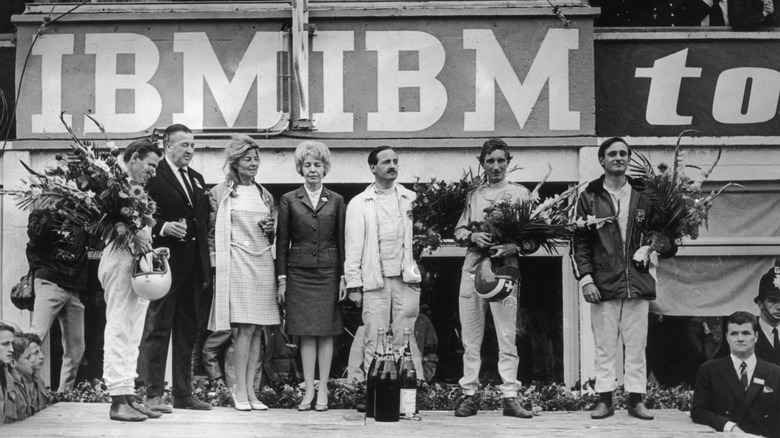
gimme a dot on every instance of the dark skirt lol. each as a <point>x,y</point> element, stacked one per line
<point>312,302</point>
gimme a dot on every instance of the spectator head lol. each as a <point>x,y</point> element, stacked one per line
<point>24,356</point>
<point>491,145</point>
<point>315,150</point>
<point>241,147</point>
<point>742,334</point>
<point>141,158</point>
<point>6,343</point>
<point>35,347</point>
<point>383,162</point>
<point>179,145</point>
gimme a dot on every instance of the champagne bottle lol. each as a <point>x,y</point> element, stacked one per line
<point>372,372</point>
<point>407,379</point>
<point>387,397</point>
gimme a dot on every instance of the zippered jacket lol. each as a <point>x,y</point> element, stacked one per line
<point>601,252</point>
<point>362,260</point>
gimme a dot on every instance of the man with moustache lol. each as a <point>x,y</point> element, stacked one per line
<point>378,255</point>
<point>768,300</point>
<point>739,393</point>
<point>619,292</point>
<point>182,226</point>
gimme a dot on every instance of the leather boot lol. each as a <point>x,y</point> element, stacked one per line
<point>512,408</point>
<point>640,411</point>
<point>125,413</point>
<point>604,408</point>
<point>467,407</point>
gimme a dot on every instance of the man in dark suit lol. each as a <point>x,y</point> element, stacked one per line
<point>752,14</point>
<point>182,226</point>
<point>768,300</point>
<point>739,392</point>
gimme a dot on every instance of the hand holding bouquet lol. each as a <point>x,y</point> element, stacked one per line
<point>530,223</point>
<point>92,200</point>
<point>679,207</point>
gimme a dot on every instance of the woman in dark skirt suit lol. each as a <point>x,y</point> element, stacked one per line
<point>309,265</point>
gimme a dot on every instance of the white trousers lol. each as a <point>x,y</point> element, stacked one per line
<point>396,300</point>
<point>125,314</point>
<point>472,310</point>
<point>612,320</point>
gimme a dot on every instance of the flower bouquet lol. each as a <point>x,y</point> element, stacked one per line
<point>438,207</point>
<point>94,201</point>
<point>532,223</point>
<point>678,204</point>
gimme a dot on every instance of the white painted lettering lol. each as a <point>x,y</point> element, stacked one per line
<point>551,66</point>
<point>51,48</point>
<point>730,93</point>
<point>201,65</point>
<point>390,79</point>
<point>148,102</point>
<point>333,44</point>
<point>666,77</point>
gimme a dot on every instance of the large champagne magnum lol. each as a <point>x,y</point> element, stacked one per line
<point>373,369</point>
<point>387,397</point>
<point>407,378</point>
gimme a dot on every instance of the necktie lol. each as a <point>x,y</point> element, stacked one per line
<point>743,375</point>
<point>776,342</point>
<point>186,178</point>
<point>716,14</point>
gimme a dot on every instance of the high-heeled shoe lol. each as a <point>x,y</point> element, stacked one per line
<point>240,406</point>
<point>321,408</point>
<point>306,406</point>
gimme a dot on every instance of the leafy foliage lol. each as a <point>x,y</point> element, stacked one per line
<point>530,222</point>
<point>94,200</point>
<point>430,397</point>
<point>437,209</point>
<point>679,206</point>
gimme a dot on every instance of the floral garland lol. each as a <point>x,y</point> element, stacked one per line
<point>679,206</point>
<point>93,200</point>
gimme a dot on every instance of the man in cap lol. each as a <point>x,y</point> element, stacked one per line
<point>494,159</point>
<point>739,393</point>
<point>768,300</point>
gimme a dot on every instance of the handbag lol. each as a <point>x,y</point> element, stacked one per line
<point>23,293</point>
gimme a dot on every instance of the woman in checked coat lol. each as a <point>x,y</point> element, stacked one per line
<point>241,239</point>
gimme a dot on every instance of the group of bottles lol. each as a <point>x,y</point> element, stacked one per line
<point>391,385</point>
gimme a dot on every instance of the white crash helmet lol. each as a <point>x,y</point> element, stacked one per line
<point>495,285</point>
<point>151,278</point>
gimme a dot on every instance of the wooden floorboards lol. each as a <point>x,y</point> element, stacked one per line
<point>91,420</point>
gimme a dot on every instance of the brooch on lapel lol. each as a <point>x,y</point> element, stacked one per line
<point>640,215</point>
<point>325,197</point>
